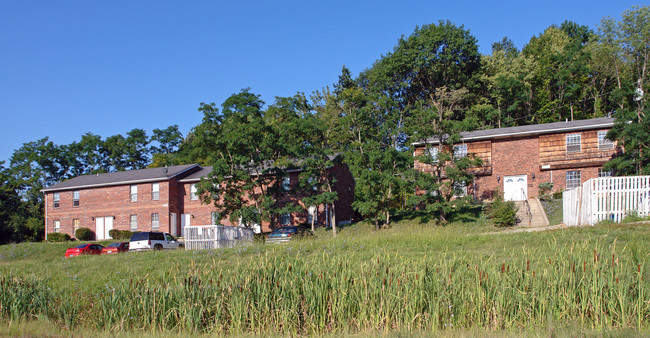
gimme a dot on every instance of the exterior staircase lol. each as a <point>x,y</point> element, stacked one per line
<point>531,214</point>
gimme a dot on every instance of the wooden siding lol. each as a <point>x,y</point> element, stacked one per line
<point>481,149</point>
<point>553,152</point>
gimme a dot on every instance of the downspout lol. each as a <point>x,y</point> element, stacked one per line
<point>46,217</point>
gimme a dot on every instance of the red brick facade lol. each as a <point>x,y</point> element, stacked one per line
<point>173,205</point>
<point>542,157</point>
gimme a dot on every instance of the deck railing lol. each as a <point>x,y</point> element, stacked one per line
<point>216,236</point>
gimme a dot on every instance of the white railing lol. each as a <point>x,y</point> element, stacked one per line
<point>216,236</point>
<point>607,198</point>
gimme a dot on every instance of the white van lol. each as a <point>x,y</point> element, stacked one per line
<point>153,241</point>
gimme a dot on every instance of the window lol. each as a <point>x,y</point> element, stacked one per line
<point>460,189</point>
<point>134,222</point>
<point>76,224</point>
<point>134,193</point>
<point>285,219</point>
<point>313,183</point>
<point>155,191</point>
<point>572,179</point>
<point>75,198</point>
<point>193,194</point>
<point>605,173</point>
<point>57,226</point>
<point>573,144</point>
<point>433,153</point>
<point>312,216</point>
<point>460,151</point>
<point>286,183</point>
<point>155,221</point>
<point>55,199</point>
<point>214,216</point>
<point>603,142</point>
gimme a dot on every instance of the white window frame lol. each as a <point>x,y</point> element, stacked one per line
<point>603,142</point>
<point>155,221</point>
<point>75,226</point>
<point>573,143</point>
<point>286,183</point>
<point>460,189</point>
<point>56,200</point>
<point>285,219</point>
<point>57,226</point>
<point>193,192</point>
<point>573,179</point>
<point>460,151</point>
<point>155,191</point>
<point>75,198</point>
<point>133,221</point>
<point>134,193</point>
<point>433,154</point>
<point>605,173</point>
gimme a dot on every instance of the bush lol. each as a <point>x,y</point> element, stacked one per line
<point>84,234</point>
<point>502,213</point>
<point>58,237</point>
<point>120,234</point>
<point>545,190</point>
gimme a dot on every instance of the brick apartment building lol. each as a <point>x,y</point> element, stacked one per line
<point>161,199</point>
<point>517,159</point>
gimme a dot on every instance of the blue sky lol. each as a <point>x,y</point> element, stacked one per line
<point>106,67</point>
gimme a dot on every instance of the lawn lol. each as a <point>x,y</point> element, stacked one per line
<point>413,278</point>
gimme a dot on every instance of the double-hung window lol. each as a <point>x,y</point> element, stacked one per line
<point>134,193</point>
<point>76,224</point>
<point>433,154</point>
<point>134,222</point>
<point>155,191</point>
<point>75,198</point>
<point>460,151</point>
<point>57,226</point>
<point>155,221</point>
<point>605,173</point>
<point>572,179</point>
<point>193,193</point>
<point>573,143</point>
<point>603,142</point>
<point>55,200</point>
<point>285,219</point>
<point>286,183</point>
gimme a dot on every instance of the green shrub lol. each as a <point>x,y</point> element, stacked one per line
<point>120,234</point>
<point>58,237</point>
<point>557,195</point>
<point>502,213</point>
<point>545,190</point>
<point>84,234</point>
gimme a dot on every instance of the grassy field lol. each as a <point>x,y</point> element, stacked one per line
<point>412,279</point>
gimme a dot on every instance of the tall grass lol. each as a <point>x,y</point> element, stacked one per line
<point>301,290</point>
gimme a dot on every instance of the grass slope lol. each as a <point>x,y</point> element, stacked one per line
<point>413,277</point>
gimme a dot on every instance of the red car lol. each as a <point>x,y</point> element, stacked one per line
<point>84,249</point>
<point>116,247</point>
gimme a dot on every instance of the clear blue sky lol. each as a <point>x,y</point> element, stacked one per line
<point>106,67</point>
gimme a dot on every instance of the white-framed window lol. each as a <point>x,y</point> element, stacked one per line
<point>286,183</point>
<point>193,195</point>
<point>572,179</point>
<point>134,222</point>
<point>155,191</point>
<point>603,142</point>
<point>75,198</point>
<point>57,226</point>
<point>155,221</point>
<point>134,193</point>
<point>460,189</point>
<point>605,173</point>
<point>76,224</point>
<point>433,153</point>
<point>214,216</point>
<point>285,219</point>
<point>573,143</point>
<point>55,200</point>
<point>312,216</point>
<point>460,151</point>
<point>313,183</point>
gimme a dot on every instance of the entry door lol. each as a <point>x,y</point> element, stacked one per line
<point>102,226</point>
<point>172,224</point>
<point>185,221</point>
<point>515,188</point>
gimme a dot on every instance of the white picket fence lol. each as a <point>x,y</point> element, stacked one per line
<point>606,198</point>
<point>216,236</point>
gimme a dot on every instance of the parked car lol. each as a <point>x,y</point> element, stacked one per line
<point>286,233</point>
<point>84,249</point>
<point>115,248</point>
<point>152,240</point>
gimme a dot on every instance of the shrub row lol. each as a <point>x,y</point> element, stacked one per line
<point>121,234</point>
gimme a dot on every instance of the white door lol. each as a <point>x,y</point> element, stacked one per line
<point>99,228</point>
<point>515,188</point>
<point>172,221</point>
<point>185,221</point>
<point>108,226</point>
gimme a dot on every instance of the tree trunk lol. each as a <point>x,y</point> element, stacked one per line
<point>333,220</point>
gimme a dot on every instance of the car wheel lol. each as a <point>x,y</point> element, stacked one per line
<point>181,247</point>
<point>157,247</point>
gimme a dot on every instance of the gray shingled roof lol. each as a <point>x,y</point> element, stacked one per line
<point>535,129</point>
<point>195,177</point>
<point>122,177</point>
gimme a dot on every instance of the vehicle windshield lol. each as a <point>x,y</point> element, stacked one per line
<point>115,245</point>
<point>80,246</point>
